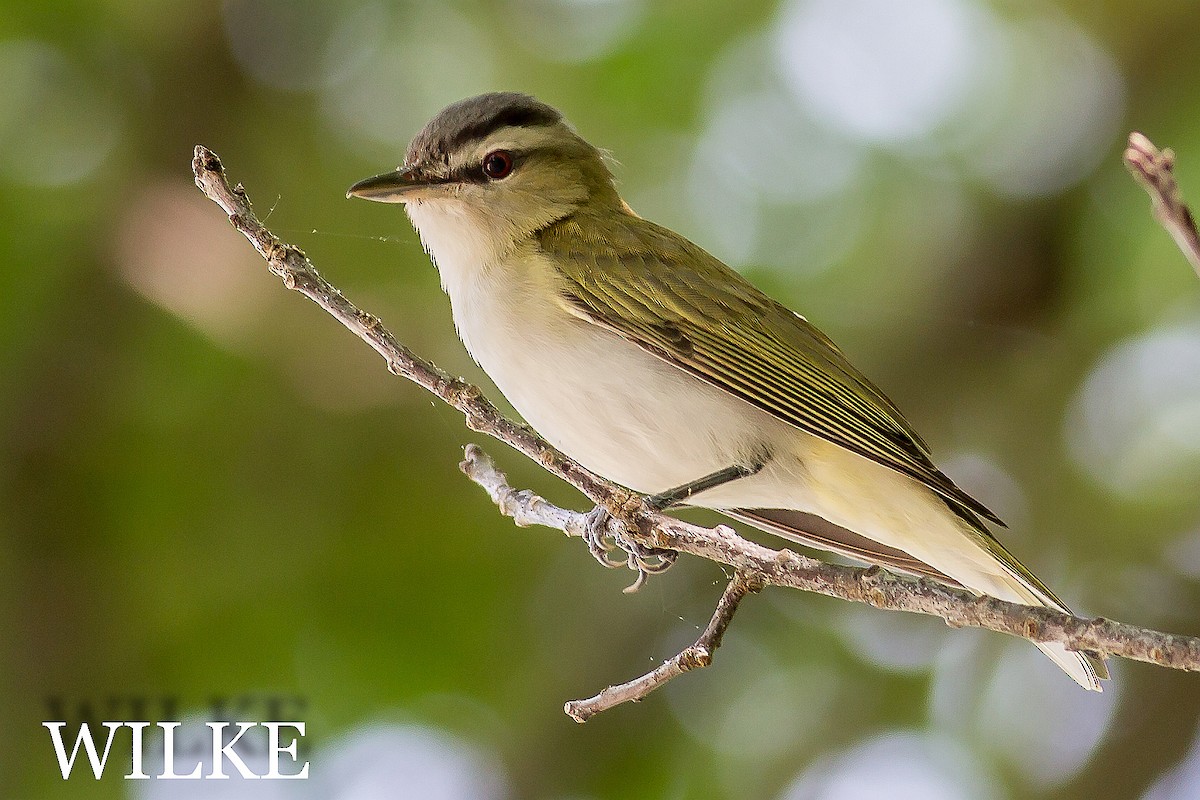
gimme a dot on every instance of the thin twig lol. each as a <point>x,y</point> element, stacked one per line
<point>1154,170</point>
<point>758,565</point>
<point>695,656</point>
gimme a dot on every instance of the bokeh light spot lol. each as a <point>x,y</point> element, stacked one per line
<point>573,31</point>
<point>900,765</point>
<point>300,46</point>
<point>879,71</point>
<point>1134,424</point>
<point>1042,723</point>
<point>56,124</point>
<point>424,62</point>
<point>219,288</point>
<point>1055,97</point>
<point>385,761</point>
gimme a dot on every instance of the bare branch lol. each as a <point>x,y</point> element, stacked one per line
<point>696,656</point>
<point>874,586</point>
<point>1154,170</point>
<point>289,263</point>
<point>754,565</point>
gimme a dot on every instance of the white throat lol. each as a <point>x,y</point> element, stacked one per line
<point>460,240</point>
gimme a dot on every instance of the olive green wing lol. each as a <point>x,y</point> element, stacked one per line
<point>673,299</point>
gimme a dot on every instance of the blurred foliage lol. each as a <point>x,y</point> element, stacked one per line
<point>208,489</point>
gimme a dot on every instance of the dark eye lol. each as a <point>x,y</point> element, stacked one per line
<point>497,164</point>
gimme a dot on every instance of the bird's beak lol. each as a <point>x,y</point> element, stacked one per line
<point>392,187</point>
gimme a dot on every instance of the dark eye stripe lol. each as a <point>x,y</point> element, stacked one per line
<point>471,173</point>
<point>510,117</point>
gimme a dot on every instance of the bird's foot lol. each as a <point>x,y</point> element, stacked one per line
<point>604,540</point>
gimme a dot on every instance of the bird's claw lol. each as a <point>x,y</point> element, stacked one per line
<point>600,542</point>
<point>603,542</point>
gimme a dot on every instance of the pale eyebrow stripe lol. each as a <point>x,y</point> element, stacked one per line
<point>509,117</point>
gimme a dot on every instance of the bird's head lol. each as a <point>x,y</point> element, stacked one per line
<point>493,168</point>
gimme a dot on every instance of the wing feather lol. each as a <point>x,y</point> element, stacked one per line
<point>670,297</point>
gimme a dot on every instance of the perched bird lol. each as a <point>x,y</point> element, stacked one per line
<point>650,362</point>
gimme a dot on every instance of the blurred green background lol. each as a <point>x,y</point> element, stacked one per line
<point>208,489</point>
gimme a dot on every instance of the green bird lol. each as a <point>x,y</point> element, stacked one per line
<point>652,363</point>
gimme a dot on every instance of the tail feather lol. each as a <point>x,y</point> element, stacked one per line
<point>1006,578</point>
<point>1086,669</point>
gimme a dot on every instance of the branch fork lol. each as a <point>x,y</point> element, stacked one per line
<point>753,566</point>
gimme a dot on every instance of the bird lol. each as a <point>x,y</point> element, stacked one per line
<point>650,362</point>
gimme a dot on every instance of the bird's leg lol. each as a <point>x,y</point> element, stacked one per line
<point>673,497</point>
<point>648,560</point>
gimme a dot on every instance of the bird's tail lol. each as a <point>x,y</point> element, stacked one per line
<point>1086,669</point>
<point>999,575</point>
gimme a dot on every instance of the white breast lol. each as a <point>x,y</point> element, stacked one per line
<point>602,400</point>
<point>599,398</point>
